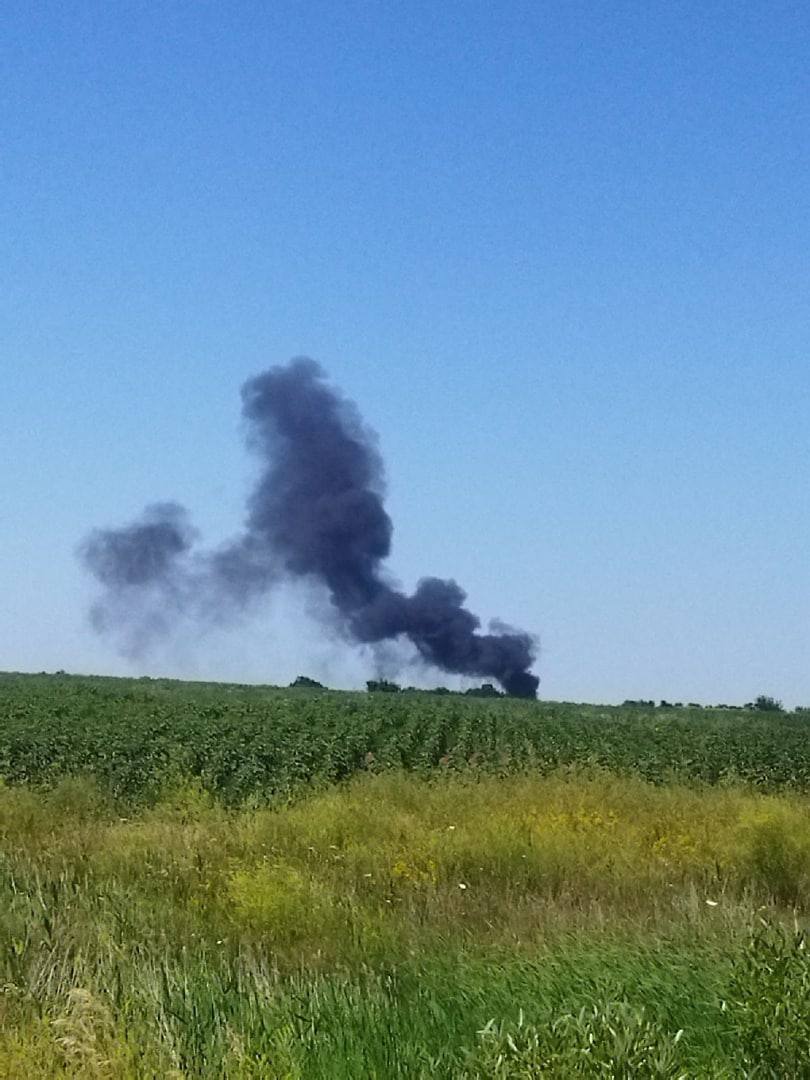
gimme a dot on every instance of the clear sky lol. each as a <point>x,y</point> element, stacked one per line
<point>557,252</point>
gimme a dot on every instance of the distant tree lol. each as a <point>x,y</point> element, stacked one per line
<point>662,704</point>
<point>305,683</point>
<point>382,686</point>
<point>441,690</point>
<point>486,690</point>
<point>695,705</point>
<point>764,703</point>
<point>640,704</point>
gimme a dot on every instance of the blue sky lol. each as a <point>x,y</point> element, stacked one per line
<point>556,252</point>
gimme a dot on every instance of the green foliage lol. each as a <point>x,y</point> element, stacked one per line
<point>260,743</point>
<point>372,928</point>
<point>764,703</point>
<point>485,690</point>
<point>768,1006</point>
<point>382,686</point>
<point>303,682</point>
<point>776,853</point>
<point>611,1040</point>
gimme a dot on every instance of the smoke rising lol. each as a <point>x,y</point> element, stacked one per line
<point>316,513</point>
<point>141,553</point>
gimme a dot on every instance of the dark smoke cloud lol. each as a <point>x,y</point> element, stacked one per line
<point>144,552</point>
<point>316,512</point>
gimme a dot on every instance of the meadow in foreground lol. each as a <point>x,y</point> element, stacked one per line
<point>578,923</point>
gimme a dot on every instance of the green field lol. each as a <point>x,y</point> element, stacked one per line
<point>257,743</point>
<point>220,881</point>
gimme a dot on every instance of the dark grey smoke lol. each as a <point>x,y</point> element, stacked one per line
<point>317,511</point>
<point>144,568</point>
<point>144,552</point>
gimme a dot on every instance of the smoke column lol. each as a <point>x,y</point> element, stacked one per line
<point>316,512</point>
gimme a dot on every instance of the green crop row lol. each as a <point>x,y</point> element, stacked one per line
<point>136,737</point>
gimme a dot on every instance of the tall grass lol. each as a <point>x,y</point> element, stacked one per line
<point>395,926</point>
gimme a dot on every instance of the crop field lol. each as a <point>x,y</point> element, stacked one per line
<point>135,736</point>
<point>202,881</point>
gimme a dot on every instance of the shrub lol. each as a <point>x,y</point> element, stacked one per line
<point>764,703</point>
<point>305,683</point>
<point>486,690</point>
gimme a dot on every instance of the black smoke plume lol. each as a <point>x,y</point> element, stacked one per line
<point>316,512</point>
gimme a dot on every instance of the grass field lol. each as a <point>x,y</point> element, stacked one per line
<point>464,903</point>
